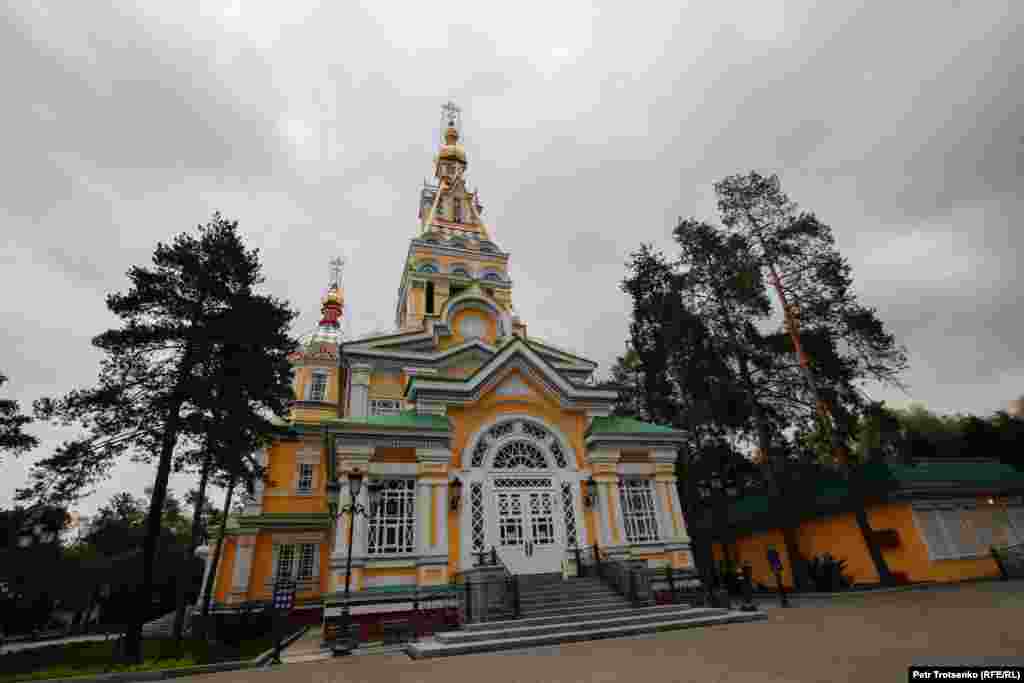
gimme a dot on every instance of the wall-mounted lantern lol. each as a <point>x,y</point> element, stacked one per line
<point>455,494</point>
<point>589,492</point>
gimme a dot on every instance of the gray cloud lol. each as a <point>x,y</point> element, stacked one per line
<point>588,133</point>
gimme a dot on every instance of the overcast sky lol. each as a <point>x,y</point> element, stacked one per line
<point>589,130</point>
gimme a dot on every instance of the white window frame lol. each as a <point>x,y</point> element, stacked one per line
<point>391,529</point>
<point>322,377</point>
<point>291,559</point>
<point>639,509</point>
<point>385,406</point>
<point>305,569</point>
<point>301,485</point>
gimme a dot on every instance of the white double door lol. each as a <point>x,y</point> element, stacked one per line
<point>525,523</point>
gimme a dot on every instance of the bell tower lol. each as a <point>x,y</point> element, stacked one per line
<point>453,251</point>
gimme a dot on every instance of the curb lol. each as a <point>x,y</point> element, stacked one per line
<point>164,674</point>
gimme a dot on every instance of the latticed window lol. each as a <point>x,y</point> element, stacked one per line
<point>639,515</point>
<point>519,454</point>
<point>954,531</point>
<point>385,406</point>
<point>476,500</point>
<point>296,561</point>
<point>307,558</point>
<point>305,481</point>
<point>318,387</point>
<point>571,539</point>
<point>394,519</point>
<point>285,562</point>
<point>503,429</point>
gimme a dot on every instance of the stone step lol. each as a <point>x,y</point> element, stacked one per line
<point>563,590</point>
<point>434,648</point>
<point>628,618</point>
<point>574,611</point>
<point>579,602</point>
<point>559,598</point>
<point>574,606</point>
<point>572,618</point>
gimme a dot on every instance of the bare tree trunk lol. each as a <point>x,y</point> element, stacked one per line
<point>208,588</point>
<point>144,600</point>
<point>197,520</point>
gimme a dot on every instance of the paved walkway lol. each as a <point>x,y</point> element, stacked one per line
<point>32,644</point>
<point>859,638</point>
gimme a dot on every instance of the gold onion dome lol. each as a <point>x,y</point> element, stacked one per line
<point>333,296</point>
<point>452,150</point>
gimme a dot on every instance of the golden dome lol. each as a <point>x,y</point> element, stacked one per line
<point>452,149</point>
<point>333,296</point>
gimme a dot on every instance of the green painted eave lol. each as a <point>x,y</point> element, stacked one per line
<point>284,520</point>
<point>408,419</point>
<point>625,425</point>
<point>883,480</point>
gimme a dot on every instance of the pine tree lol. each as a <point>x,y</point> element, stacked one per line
<point>13,438</point>
<point>158,380</point>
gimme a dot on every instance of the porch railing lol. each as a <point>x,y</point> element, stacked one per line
<point>488,591</point>
<point>1010,560</point>
<point>631,582</point>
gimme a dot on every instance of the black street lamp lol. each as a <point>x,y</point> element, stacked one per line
<point>355,485</point>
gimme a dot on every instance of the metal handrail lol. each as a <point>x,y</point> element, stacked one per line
<point>511,579</point>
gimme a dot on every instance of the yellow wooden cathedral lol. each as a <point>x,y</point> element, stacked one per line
<point>474,434</point>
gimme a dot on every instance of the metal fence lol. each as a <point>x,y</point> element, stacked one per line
<point>1010,560</point>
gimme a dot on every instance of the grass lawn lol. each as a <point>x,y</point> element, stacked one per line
<point>92,658</point>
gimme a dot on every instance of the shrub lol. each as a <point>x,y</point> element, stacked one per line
<point>826,574</point>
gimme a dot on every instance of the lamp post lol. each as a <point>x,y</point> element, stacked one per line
<point>355,485</point>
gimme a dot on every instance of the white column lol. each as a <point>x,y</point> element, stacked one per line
<point>677,509</point>
<point>603,514</point>
<point>663,505</point>
<point>441,518</point>
<point>423,490</point>
<point>668,497</point>
<point>244,547</point>
<point>620,520</point>
<point>204,553</point>
<point>349,458</point>
<point>255,504</point>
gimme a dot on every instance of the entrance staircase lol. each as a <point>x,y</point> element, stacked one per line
<point>555,611</point>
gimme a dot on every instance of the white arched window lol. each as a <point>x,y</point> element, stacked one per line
<point>492,277</point>
<point>428,268</point>
<point>459,271</point>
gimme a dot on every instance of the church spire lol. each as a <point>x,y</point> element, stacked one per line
<point>333,304</point>
<point>447,205</point>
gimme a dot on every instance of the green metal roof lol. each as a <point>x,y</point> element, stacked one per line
<point>834,493</point>
<point>960,472</point>
<point>408,419</point>
<point>625,425</point>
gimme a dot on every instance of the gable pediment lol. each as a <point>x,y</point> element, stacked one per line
<point>515,356</point>
<point>514,385</point>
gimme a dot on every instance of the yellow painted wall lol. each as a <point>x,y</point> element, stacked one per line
<point>421,254</point>
<point>283,472</point>
<point>262,568</point>
<point>454,543</point>
<point>387,384</point>
<point>912,554</point>
<point>840,536</point>
<point>227,568</point>
<point>754,549</point>
<point>466,421</point>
